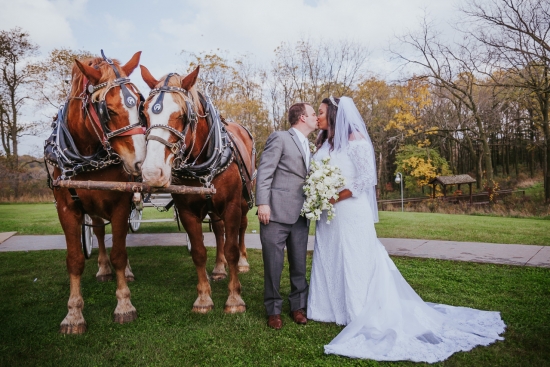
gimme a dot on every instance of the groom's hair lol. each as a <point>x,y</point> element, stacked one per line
<point>295,111</point>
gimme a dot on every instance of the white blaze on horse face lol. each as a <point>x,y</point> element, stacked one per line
<point>156,169</point>
<point>133,160</point>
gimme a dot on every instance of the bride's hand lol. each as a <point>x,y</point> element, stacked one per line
<point>343,195</point>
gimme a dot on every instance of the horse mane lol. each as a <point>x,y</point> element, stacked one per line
<point>176,82</point>
<point>107,73</point>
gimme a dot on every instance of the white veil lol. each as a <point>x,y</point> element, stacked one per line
<point>350,126</point>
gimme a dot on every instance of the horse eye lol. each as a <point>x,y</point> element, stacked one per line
<point>111,112</point>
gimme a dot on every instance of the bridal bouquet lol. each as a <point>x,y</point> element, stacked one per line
<point>322,184</point>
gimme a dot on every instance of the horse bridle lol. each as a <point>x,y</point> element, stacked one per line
<point>178,148</point>
<point>99,113</point>
<point>69,160</point>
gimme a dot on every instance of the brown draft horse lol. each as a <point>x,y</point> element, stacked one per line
<point>99,205</point>
<point>169,126</point>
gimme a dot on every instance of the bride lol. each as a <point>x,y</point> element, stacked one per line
<point>353,280</point>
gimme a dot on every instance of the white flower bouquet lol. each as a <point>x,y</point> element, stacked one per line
<point>322,184</point>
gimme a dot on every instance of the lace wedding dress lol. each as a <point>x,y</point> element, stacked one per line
<point>355,283</point>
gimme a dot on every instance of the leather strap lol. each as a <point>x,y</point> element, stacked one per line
<point>158,105</point>
<point>129,100</point>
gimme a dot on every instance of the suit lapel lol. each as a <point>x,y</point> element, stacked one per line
<point>298,144</point>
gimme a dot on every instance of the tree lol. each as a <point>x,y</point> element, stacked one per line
<point>517,34</point>
<point>15,48</point>
<point>454,69</point>
<point>310,71</point>
<point>372,98</point>
<point>237,91</point>
<point>52,76</point>
<point>419,165</point>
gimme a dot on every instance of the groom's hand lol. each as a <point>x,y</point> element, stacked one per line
<point>264,211</point>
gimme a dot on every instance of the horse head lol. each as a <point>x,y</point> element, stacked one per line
<point>172,111</point>
<point>114,110</point>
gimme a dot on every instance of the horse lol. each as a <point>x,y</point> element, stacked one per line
<point>101,129</point>
<point>178,132</point>
<point>218,227</point>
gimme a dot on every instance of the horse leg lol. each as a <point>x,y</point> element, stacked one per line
<point>124,311</point>
<point>128,272</point>
<point>219,272</point>
<point>232,220</point>
<point>244,267</point>
<point>74,322</point>
<point>104,273</point>
<point>193,227</point>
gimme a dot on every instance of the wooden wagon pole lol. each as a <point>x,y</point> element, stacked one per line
<point>132,187</point>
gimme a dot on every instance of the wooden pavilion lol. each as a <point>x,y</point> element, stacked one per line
<point>458,180</point>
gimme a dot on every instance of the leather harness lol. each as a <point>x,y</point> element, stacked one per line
<point>220,144</point>
<point>60,149</point>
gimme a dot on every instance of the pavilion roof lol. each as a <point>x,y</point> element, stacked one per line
<point>452,180</point>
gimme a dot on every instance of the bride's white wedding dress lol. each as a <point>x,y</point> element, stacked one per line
<point>355,283</point>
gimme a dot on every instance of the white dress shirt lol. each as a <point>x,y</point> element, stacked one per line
<point>305,145</point>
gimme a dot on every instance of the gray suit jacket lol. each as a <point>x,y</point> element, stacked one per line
<point>281,176</point>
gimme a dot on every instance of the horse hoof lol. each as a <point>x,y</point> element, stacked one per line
<point>104,278</point>
<point>244,269</point>
<point>235,309</point>
<point>125,317</point>
<point>218,276</point>
<point>73,329</point>
<point>130,278</point>
<point>202,309</point>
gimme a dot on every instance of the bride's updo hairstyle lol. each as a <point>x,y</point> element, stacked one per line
<point>332,110</point>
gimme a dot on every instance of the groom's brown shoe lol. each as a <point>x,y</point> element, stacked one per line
<point>275,322</point>
<point>299,316</point>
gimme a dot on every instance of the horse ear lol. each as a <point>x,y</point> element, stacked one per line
<point>93,75</point>
<point>189,81</point>
<point>148,78</point>
<point>129,67</point>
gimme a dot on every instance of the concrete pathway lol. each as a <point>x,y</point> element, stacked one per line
<point>446,250</point>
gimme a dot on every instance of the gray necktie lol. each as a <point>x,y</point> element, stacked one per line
<point>306,151</point>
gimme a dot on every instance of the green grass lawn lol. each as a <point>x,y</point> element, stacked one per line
<point>34,291</point>
<point>42,219</point>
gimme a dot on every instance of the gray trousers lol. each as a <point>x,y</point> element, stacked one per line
<point>275,236</point>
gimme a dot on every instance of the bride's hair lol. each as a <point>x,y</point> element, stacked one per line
<point>331,121</point>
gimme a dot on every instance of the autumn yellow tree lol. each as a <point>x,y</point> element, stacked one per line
<point>409,102</point>
<point>372,98</point>
<point>419,165</point>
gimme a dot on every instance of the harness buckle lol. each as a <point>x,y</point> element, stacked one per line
<point>175,148</point>
<point>67,174</point>
<point>78,168</point>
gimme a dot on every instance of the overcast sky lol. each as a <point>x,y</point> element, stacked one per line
<point>162,29</point>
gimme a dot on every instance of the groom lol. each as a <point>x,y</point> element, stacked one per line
<point>280,196</point>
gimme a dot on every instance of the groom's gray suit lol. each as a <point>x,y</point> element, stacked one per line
<point>279,184</point>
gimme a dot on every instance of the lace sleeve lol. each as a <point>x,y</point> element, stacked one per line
<point>362,156</point>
